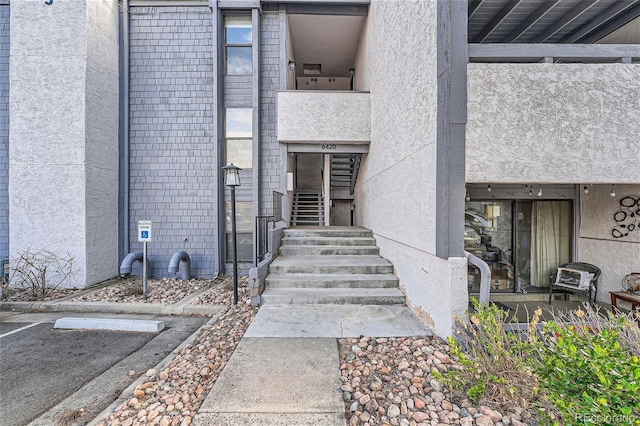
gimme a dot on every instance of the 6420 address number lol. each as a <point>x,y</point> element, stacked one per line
<point>329,146</point>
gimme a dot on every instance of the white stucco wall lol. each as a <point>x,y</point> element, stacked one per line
<point>101,144</point>
<point>324,116</point>
<point>561,123</point>
<point>59,165</point>
<point>616,257</point>
<point>395,192</point>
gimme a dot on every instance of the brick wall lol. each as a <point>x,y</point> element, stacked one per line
<point>4,131</point>
<point>270,65</point>
<point>173,158</point>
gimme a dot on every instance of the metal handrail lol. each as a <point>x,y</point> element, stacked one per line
<point>485,276</point>
<point>277,206</point>
<point>262,237</point>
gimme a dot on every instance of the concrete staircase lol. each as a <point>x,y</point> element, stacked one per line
<point>331,265</point>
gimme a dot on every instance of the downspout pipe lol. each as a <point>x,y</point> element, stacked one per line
<point>127,263</point>
<point>125,174</point>
<point>181,257</point>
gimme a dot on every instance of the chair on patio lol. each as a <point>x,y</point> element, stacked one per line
<point>575,277</point>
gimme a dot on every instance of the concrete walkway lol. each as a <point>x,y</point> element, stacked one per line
<point>286,369</point>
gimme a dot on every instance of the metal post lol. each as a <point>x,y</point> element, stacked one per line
<point>144,270</point>
<point>235,251</point>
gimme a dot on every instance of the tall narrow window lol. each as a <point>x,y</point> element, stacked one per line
<point>238,38</point>
<point>238,137</point>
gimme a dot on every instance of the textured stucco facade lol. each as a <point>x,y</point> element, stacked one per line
<point>63,153</point>
<point>303,117</point>
<point>396,190</point>
<point>616,257</point>
<point>555,123</point>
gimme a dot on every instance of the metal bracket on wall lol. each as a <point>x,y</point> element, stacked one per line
<point>48,2</point>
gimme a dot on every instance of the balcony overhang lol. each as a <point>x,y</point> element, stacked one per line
<point>324,118</point>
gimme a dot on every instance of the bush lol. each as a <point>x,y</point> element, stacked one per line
<point>495,368</point>
<point>586,365</point>
<point>40,271</point>
<point>583,367</point>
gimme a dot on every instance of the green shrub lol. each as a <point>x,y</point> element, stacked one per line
<point>587,373</point>
<point>494,365</point>
<point>581,368</point>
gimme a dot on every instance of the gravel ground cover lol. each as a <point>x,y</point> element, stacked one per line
<point>165,290</point>
<point>221,292</point>
<point>21,295</point>
<point>389,381</point>
<point>173,395</point>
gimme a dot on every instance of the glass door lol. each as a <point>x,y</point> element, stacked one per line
<point>522,241</point>
<point>489,236</point>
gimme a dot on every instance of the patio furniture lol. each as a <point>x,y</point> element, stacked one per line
<point>627,297</point>
<point>575,277</point>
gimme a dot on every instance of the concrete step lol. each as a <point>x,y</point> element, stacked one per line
<point>328,241</point>
<point>346,232</point>
<point>330,265</point>
<point>332,281</point>
<point>308,222</point>
<point>335,296</point>
<point>329,250</point>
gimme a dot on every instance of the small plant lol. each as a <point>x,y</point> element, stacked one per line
<point>40,271</point>
<point>133,287</point>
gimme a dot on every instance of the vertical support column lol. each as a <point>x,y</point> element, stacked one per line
<point>63,158</point>
<point>326,185</point>
<point>452,62</point>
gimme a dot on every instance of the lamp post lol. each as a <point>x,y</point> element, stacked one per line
<point>232,179</point>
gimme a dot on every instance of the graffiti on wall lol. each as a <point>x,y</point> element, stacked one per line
<point>627,217</point>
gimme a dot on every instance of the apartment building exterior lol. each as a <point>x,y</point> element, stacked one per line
<point>500,128</point>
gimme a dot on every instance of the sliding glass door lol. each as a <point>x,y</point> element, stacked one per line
<point>522,241</point>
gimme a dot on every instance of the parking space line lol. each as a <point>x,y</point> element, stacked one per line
<point>19,329</point>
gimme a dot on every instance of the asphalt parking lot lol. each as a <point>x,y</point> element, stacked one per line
<point>42,367</point>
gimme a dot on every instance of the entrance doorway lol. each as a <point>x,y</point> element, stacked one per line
<point>522,241</point>
<point>323,188</point>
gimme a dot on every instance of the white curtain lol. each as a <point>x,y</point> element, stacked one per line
<point>550,242</point>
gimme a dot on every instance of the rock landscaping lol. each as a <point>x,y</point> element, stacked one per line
<point>173,394</point>
<point>24,295</point>
<point>165,290</point>
<point>390,381</point>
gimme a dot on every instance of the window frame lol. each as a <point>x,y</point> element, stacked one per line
<point>239,138</point>
<point>228,45</point>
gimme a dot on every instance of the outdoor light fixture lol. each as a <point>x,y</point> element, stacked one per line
<point>292,65</point>
<point>540,191</point>
<point>231,175</point>
<point>352,73</point>
<point>232,179</point>
<point>488,188</point>
<point>531,190</point>
<point>585,189</point>
<point>466,195</point>
<point>613,191</point>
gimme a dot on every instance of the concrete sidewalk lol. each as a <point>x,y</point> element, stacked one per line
<point>286,369</point>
